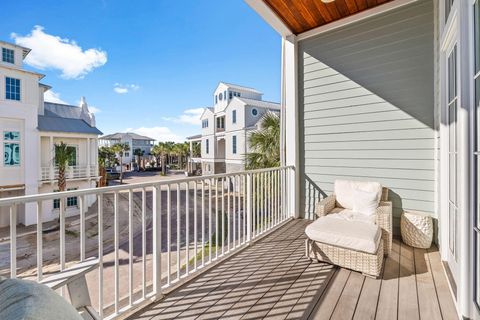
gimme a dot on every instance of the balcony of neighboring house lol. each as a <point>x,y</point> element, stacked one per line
<point>71,172</point>
<point>220,124</point>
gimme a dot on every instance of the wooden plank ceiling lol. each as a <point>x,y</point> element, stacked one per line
<point>304,15</point>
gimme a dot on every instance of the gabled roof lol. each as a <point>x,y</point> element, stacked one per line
<point>64,118</point>
<point>260,103</point>
<point>212,110</point>
<point>119,135</point>
<point>238,87</point>
<point>57,124</point>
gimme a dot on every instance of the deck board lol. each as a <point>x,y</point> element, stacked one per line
<point>273,280</point>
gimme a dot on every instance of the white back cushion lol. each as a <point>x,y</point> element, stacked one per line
<point>365,202</point>
<point>344,191</point>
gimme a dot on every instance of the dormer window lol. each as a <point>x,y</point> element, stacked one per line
<point>8,55</point>
<point>220,96</point>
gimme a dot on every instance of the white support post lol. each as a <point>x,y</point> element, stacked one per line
<point>290,108</point>
<point>52,161</point>
<point>89,145</point>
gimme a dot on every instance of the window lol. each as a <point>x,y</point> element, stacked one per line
<point>73,158</point>
<point>254,112</point>
<point>234,116</point>
<point>207,149</point>
<point>205,123</point>
<point>230,95</point>
<point>220,123</point>
<point>71,201</point>
<point>11,148</point>
<point>127,154</point>
<point>12,89</point>
<point>8,55</point>
<point>234,144</point>
<point>216,99</point>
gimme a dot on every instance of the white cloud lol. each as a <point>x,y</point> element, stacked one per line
<point>93,109</point>
<point>52,96</point>
<point>124,88</point>
<point>189,116</point>
<point>157,133</point>
<point>53,52</point>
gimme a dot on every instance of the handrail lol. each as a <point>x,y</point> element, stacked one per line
<point>139,185</point>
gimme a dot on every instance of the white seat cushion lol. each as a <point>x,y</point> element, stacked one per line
<point>349,234</point>
<point>347,214</point>
<point>345,195</point>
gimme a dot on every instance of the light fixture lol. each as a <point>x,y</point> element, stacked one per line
<point>327,1</point>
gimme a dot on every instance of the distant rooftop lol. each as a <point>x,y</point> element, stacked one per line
<point>119,135</point>
<point>238,87</point>
<point>260,103</point>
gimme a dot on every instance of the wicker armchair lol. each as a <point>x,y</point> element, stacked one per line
<point>367,263</point>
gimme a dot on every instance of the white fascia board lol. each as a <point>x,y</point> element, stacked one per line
<point>354,18</point>
<point>270,17</point>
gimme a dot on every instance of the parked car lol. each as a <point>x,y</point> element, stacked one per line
<point>112,174</point>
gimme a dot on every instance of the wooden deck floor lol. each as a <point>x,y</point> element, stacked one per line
<point>273,280</point>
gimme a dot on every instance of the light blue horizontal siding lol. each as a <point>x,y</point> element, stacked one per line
<point>366,100</point>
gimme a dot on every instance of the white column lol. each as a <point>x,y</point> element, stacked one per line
<point>89,145</point>
<point>290,109</point>
<point>52,157</point>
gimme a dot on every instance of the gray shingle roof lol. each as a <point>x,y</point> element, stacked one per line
<point>118,136</point>
<point>58,124</point>
<point>64,118</point>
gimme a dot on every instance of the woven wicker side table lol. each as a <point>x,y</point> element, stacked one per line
<point>417,229</point>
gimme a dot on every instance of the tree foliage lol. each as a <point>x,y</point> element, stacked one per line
<point>265,144</point>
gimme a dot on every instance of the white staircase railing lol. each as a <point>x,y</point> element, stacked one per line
<point>149,237</point>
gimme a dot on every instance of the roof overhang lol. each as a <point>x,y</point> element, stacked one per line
<point>303,19</point>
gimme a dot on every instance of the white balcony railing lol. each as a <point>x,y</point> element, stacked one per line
<point>72,172</point>
<point>149,238</point>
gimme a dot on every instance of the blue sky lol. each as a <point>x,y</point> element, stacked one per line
<point>146,66</point>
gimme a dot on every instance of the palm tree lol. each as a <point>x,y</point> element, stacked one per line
<point>162,149</point>
<point>157,153</point>
<point>265,144</point>
<point>63,155</point>
<point>138,153</point>
<point>120,149</point>
<point>106,157</point>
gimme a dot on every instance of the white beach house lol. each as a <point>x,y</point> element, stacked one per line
<point>29,130</point>
<point>236,113</point>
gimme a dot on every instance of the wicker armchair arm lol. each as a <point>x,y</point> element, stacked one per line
<point>325,206</point>
<point>384,221</point>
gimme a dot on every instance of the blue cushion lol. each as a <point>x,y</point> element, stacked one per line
<point>29,300</point>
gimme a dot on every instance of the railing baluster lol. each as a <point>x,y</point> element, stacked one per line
<point>62,234</point>
<point>144,238</point>
<point>116,249</point>
<point>178,231</point>
<point>187,227</point>
<point>228,214</point>
<point>249,212</point>
<point>203,223</point>
<point>239,198</point>
<point>234,200</point>
<point>223,216</point>
<point>262,183</point>
<point>157,240</point>
<point>245,210</point>
<point>169,232</point>
<point>210,221</point>
<point>216,219</point>
<point>39,241</point>
<point>257,206</point>
<point>130,247</point>
<point>82,227</point>
<point>195,233</point>
<point>100,255</point>
<point>13,241</point>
